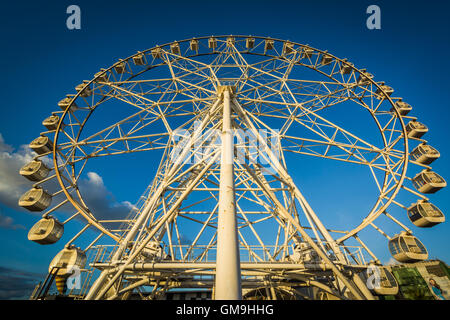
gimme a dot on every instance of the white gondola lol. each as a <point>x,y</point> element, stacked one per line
<point>41,145</point>
<point>326,59</point>
<point>212,43</point>
<point>304,253</point>
<point>425,214</point>
<point>364,78</point>
<point>66,102</point>
<point>250,43</point>
<point>35,171</point>
<point>51,123</point>
<point>35,199</point>
<point>84,90</point>
<point>424,154</point>
<point>415,129</point>
<point>402,107</point>
<point>67,260</point>
<point>405,247</point>
<point>380,280</point>
<point>193,45</point>
<point>101,76</point>
<point>288,47</point>
<point>153,251</point>
<point>156,53</point>
<point>46,231</point>
<point>268,45</point>
<point>175,48</point>
<point>308,52</point>
<point>383,91</point>
<point>139,59</point>
<point>428,181</point>
<point>346,67</point>
<point>120,67</point>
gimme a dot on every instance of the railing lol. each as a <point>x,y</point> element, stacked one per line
<point>250,253</point>
<point>202,253</point>
<point>41,289</point>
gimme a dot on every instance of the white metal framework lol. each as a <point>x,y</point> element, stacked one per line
<point>254,231</point>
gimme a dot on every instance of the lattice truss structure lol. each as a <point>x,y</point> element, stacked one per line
<point>282,97</point>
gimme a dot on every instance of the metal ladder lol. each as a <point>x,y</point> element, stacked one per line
<point>41,290</point>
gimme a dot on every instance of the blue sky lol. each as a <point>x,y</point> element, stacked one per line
<point>41,60</point>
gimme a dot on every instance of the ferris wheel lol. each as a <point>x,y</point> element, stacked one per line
<point>225,114</point>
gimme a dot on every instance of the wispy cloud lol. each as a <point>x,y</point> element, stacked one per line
<point>17,284</point>
<point>7,222</point>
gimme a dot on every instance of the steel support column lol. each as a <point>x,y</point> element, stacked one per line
<point>228,271</point>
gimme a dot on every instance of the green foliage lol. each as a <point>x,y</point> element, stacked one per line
<point>412,285</point>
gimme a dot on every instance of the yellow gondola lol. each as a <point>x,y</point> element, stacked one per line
<point>268,45</point>
<point>193,45</point>
<point>156,53</point>
<point>250,43</point>
<point>346,67</point>
<point>84,90</point>
<point>425,214</point>
<point>46,231</point>
<point>35,199</point>
<point>35,170</point>
<point>326,59</point>
<point>66,102</point>
<point>120,67</point>
<point>68,259</point>
<point>382,91</point>
<point>101,76</point>
<point>51,123</point>
<point>424,154</point>
<point>364,78</point>
<point>415,129</point>
<point>308,52</point>
<point>212,43</point>
<point>42,145</point>
<point>139,59</point>
<point>405,247</point>
<point>380,280</point>
<point>428,181</point>
<point>288,47</point>
<point>175,48</point>
<point>402,107</point>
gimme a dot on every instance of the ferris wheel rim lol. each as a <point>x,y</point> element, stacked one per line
<point>372,215</point>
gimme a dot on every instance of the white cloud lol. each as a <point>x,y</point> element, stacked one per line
<point>100,200</point>
<point>12,184</point>
<point>95,179</point>
<point>3,146</point>
<point>129,204</point>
